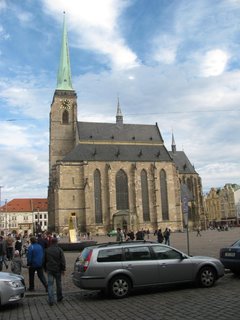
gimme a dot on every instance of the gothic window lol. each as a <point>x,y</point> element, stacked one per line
<point>122,190</point>
<point>190,184</point>
<point>145,196</point>
<point>65,117</point>
<point>164,194</point>
<point>98,196</point>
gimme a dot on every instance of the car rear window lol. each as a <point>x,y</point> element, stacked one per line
<point>110,255</point>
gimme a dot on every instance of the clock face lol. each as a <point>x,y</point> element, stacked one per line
<point>65,104</point>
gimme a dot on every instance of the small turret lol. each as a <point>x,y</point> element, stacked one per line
<point>119,116</point>
<point>174,149</point>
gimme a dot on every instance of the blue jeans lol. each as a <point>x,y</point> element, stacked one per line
<point>58,277</point>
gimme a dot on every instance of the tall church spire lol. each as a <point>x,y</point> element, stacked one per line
<point>119,116</point>
<point>64,80</point>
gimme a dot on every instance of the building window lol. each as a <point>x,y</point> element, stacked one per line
<point>98,196</point>
<point>65,117</point>
<point>122,191</point>
<point>164,194</point>
<point>145,196</point>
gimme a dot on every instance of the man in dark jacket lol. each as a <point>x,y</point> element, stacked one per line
<point>55,266</point>
<point>35,257</point>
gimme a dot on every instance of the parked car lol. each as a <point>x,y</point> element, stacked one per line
<point>117,268</point>
<point>12,288</point>
<point>230,257</point>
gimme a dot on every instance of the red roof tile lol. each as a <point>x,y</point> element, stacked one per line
<point>25,205</point>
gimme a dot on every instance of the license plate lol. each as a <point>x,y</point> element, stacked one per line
<point>229,254</point>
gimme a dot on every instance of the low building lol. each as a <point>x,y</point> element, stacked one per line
<point>222,205</point>
<point>24,216</point>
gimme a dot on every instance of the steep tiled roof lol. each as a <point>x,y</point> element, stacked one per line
<point>182,162</point>
<point>25,205</point>
<point>93,131</point>
<point>136,153</point>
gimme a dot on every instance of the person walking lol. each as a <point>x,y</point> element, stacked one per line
<point>9,246</point>
<point>35,255</point>
<point>16,263</point>
<point>160,237</point>
<point>199,231</point>
<point>120,235</point>
<point>18,245</point>
<point>2,253</point>
<point>55,266</point>
<point>167,236</point>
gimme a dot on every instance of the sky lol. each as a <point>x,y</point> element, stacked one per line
<point>174,62</point>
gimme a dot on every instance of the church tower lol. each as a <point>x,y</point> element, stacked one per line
<point>62,126</point>
<point>63,115</point>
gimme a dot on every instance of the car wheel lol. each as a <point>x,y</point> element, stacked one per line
<point>207,277</point>
<point>120,287</point>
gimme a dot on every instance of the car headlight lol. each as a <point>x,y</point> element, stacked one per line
<point>14,284</point>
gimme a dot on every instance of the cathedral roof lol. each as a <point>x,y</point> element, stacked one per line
<point>182,162</point>
<point>118,142</point>
<point>119,132</point>
<point>118,152</point>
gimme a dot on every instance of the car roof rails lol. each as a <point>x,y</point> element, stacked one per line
<point>115,243</point>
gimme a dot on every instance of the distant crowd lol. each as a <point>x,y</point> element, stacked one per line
<point>162,237</point>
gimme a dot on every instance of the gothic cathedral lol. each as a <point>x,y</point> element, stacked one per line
<point>109,175</point>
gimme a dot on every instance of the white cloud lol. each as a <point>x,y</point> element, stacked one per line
<point>165,49</point>
<point>3,4</point>
<point>214,63</point>
<point>95,24</point>
<point>3,34</point>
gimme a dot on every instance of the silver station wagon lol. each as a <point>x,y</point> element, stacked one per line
<point>119,267</point>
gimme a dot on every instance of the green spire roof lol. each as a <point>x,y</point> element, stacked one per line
<point>64,80</point>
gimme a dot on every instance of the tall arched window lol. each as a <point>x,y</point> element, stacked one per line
<point>98,196</point>
<point>65,117</point>
<point>122,191</point>
<point>164,194</point>
<point>145,196</point>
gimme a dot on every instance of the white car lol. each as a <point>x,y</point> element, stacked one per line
<point>12,288</point>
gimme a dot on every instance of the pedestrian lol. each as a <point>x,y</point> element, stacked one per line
<point>148,233</point>
<point>42,240</point>
<point>130,235</point>
<point>2,253</point>
<point>140,235</point>
<point>160,237</point>
<point>166,235</point>
<point>199,231</point>
<point>16,263</point>
<point>35,255</point>
<point>55,266</point>
<point>120,235</point>
<point>18,245</point>
<point>9,246</point>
